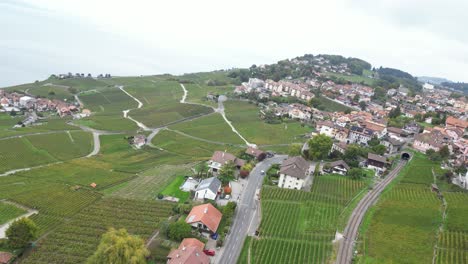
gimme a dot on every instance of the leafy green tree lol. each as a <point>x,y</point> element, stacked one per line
<point>179,230</point>
<point>21,232</point>
<point>444,152</point>
<point>319,146</point>
<point>352,153</point>
<point>227,172</point>
<point>379,149</point>
<point>373,142</point>
<point>355,173</point>
<point>395,112</point>
<point>119,247</point>
<point>362,105</point>
<point>295,150</point>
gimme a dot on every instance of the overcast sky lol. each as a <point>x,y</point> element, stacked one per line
<point>40,37</point>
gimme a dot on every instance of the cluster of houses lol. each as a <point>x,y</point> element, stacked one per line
<point>79,75</point>
<point>15,102</point>
<point>452,135</point>
<point>282,88</point>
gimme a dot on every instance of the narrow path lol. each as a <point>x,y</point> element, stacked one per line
<point>5,226</point>
<point>71,137</point>
<point>219,110</point>
<point>34,134</point>
<point>97,145</point>
<point>140,105</point>
<point>79,101</point>
<point>345,251</point>
<point>440,230</point>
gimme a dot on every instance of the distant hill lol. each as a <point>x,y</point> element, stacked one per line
<point>433,80</point>
<point>459,86</point>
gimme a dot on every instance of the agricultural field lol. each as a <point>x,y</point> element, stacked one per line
<point>52,92</point>
<point>332,106</point>
<point>191,149</point>
<point>149,183</point>
<point>157,116</point>
<point>212,127</point>
<point>298,226</point>
<point>245,118</point>
<point>76,240</point>
<point>9,212</point>
<point>197,92</point>
<point>36,150</point>
<point>107,106</point>
<point>120,156</point>
<point>452,246</point>
<point>50,124</point>
<point>405,220</point>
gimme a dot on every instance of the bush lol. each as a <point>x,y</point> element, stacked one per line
<point>179,230</point>
<point>160,196</point>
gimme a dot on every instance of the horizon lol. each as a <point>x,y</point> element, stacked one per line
<point>124,42</point>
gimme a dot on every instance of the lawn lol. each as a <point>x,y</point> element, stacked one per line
<point>173,189</point>
<point>245,118</point>
<point>9,212</point>
<point>212,127</point>
<point>353,78</point>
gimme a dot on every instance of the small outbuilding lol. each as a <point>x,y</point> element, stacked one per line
<point>208,189</point>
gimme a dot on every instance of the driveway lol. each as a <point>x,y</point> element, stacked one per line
<point>246,218</point>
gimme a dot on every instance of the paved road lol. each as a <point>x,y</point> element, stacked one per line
<point>246,213</point>
<point>345,252</point>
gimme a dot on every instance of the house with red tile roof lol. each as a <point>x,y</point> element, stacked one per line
<point>221,158</point>
<point>190,251</point>
<point>204,217</point>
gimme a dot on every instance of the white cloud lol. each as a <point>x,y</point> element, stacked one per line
<point>182,36</point>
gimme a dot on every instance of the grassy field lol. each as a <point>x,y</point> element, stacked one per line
<point>9,212</point>
<point>197,92</point>
<point>149,183</point>
<point>76,240</point>
<point>298,226</point>
<point>353,78</point>
<point>405,220</point>
<point>332,106</point>
<point>212,127</point>
<point>52,92</point>
<point>50,124</point>
<point>245,118</point>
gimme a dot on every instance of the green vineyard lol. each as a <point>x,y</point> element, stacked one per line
<point>298,226</point>
<point>77,239</point>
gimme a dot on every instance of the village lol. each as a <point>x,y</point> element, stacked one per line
<point>33,108</point>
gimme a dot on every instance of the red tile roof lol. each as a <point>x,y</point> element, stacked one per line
<point>190,251</point>
<point>206,214</point>
<point>5,257</point>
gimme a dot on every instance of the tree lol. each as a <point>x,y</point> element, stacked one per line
<point>21,232</point>
<point>295,150</point>
<point>444,152</point>
<point>355,173</point>
<point>363,105</point>
<point>179,230</point>
<point>226,173</point>
<point>379,149</point>
<point>373,142</point>
<point>13,113</point>
<point>352,153</point>
<point>119,247</point>
<point>319,146</point>
<point>395,112</point>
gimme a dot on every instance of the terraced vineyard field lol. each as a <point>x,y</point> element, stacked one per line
<point>29,151</point>
<point>9,212</point>
<point>405,220</point>
<point>76,240</point>
<point>453,241</point>
<point>298,226</point>
<point>245,117</point>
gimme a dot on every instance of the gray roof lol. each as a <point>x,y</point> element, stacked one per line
<point>296,167</point>
<point>376,157</point>
<point>212,184</point>
<point>338,163</point>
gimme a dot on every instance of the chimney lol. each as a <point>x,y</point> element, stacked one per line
<point>183,249</point>
<point>206,210</point>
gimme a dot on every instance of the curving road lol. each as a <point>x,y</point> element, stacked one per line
<point>345,252</point>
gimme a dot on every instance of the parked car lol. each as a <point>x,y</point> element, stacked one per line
<point>209,252</point>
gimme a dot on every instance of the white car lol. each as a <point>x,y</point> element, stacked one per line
<point>263,172</point>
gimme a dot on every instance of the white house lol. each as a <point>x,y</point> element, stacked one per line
<point>208,189</point>
<point>221,158</point>
<point>25,100</point>
<point>294,172</point>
